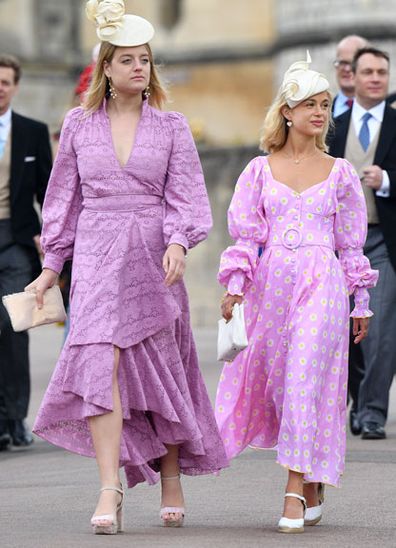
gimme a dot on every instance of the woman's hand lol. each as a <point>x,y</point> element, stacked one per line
<point>228,303</point>
<point>174,263</point>
<point>360,329</point>
<point>47,279</point>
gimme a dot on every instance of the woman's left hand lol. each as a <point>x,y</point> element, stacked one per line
<point>174,263</point>
<point>360,329</point>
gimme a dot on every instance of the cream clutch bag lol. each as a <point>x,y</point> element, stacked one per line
<point>23,311</point>
<point>232,337</point>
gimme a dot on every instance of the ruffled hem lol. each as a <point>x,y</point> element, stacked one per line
<point>357,269</point>
<point>163,402</point>
<point>237,266</point>
<point>361,313</point>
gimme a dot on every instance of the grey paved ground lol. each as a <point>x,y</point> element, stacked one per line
<point>47,495</point>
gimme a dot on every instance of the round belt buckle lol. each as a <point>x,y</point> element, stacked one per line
<point>292,238</point>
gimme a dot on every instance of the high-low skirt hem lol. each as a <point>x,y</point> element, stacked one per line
<point>163,397</point>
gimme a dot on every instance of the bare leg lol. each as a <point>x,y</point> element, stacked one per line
<point>172,494</point>
<point>106,435</point>
<point>311,494</point>
<point>293,509</point>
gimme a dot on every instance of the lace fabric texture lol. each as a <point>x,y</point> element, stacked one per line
<point>115,222</point>
<point>288,388</point>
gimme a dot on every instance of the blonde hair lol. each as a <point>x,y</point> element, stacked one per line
<point>99,87</point>
<point>275,131</point>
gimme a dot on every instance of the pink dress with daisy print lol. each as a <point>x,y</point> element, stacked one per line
<point>288,389</point>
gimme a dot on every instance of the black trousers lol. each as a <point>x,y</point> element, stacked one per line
<point>15,273</point>
<point>355,368</point>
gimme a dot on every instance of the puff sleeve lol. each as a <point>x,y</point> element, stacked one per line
<point>350,232</point>
<point>63,199</point>
<point>248,227</point>
<point>188,218</point>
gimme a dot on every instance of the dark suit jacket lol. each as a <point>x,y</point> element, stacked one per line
<point>391,98</point>
<point>385,158</point>
<point>31,161</point>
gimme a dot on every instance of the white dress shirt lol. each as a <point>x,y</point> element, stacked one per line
<point>5,126</point>
<point>374,125</point>
<point>340,104</point>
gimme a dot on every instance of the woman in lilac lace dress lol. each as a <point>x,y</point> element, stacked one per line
<point>126,201</point>
<point>287,390</point>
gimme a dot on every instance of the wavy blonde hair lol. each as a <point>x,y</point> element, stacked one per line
<point>275,131</point>
<point>99,87</point>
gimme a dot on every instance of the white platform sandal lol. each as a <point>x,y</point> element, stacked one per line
<point>114,521</point>
<point>167,511</point>
<point>287,525</point>
<point>314,514</point>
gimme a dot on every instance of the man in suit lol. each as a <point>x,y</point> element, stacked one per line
<point>345,51</point>
<point>25,164</point>
<point>366,136</point>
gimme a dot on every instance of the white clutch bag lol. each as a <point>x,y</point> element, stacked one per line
<point>23,311</point>
<point>232,336</point>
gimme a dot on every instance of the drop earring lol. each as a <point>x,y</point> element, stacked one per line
<point>147,92</point>
<point>112,91</point>
<point>289,123</point>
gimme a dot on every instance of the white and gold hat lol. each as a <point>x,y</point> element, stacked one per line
<point>116,27</point>
<point>300,82</point>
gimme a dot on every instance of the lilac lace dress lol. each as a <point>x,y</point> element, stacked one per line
<point>115,223</point>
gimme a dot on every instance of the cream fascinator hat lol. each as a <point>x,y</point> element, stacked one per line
<point>300,83</point>
<point>115,27</point>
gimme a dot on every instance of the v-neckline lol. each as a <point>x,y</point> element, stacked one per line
<point>306,189</point>
<point>120,166</point>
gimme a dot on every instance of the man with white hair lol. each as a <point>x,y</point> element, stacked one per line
<point>345,51</point>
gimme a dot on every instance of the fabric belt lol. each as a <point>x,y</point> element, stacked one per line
<point>294,237</point>
<point>121,202</point>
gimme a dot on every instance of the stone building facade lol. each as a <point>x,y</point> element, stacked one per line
<point>320,24</point>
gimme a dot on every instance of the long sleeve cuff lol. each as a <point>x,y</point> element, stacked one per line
<point>236,283</point>
<point>179,238</point>
<point>54,262</point>
<point>384,190</point>
<point>362,299</point>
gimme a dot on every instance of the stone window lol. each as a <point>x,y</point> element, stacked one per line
<point>170,13</point>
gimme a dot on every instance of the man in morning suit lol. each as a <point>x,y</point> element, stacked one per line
<point>346,49</point>
<point>366,136</point>
<point>25,164</point>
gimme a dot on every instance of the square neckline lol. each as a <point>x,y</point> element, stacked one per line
<point>306,189</point>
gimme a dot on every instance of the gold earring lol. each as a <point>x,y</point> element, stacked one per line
<point>113,93</point>
<point>147,92</point>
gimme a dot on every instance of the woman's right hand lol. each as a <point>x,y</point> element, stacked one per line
<point>47,279</point>
<point>228,303</point>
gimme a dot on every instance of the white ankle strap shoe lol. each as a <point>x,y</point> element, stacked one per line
<point>314,514</point>
<point>288,525</point>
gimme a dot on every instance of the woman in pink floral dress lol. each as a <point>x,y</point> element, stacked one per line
<point>125,201</point>
<point>287,390</point>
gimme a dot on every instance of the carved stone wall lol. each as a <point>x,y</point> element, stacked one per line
<point>316,15</point>
<point>319,24</point>
<point>57,29</point>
